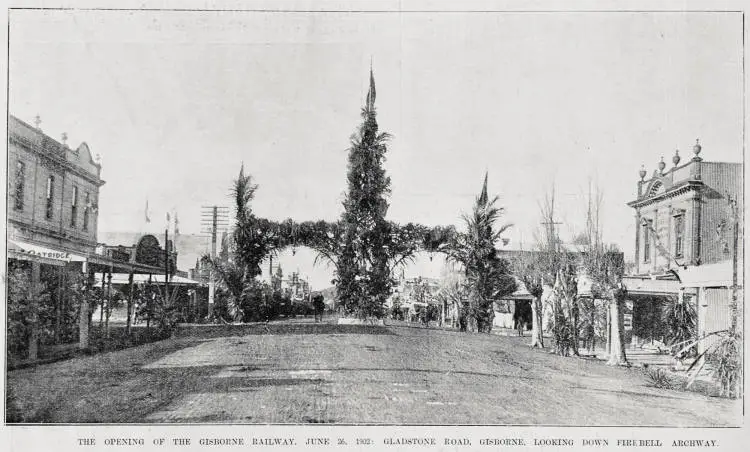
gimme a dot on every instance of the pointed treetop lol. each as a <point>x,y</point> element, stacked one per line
<point>371,92</point>
<point>483,197</point>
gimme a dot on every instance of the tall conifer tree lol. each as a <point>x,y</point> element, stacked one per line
<point>364,279</point>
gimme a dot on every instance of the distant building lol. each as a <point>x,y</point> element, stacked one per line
<point>184,250</point>
<point>683,241</point>
<point>515,308</point>
<point>411,295</point>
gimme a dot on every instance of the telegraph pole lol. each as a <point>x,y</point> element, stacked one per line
<point>213,218</point>
<point>734,213</point>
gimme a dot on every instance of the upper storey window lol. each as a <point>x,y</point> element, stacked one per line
<point>679,234</point>
<point>647,225</point>
<point>50,197</point>
<point>19,186</point>
<point>74,207</point>
<point>86,208</point>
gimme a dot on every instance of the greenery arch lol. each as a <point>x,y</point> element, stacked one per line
<point>363,246</point>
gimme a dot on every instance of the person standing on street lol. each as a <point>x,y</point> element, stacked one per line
<point>319,306</point>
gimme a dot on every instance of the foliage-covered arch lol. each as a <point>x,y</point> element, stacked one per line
<point>363,246</point>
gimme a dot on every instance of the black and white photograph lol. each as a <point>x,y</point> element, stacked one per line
<point>375,215</point>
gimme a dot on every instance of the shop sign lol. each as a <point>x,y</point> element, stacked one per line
<point>628,321</point>
<point>47,253</point>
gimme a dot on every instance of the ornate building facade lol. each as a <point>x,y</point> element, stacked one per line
<point>684,247</point>
<point>678,211</point>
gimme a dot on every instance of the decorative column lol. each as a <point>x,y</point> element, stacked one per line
<point>642,174</point>
<point>638,240</point>
<point>695,233</point>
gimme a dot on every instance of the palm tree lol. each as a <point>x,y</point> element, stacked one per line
<point>487,274</point>
<point>233,281</point>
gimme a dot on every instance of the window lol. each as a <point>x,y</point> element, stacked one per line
<point>86,208</point>
<point>647,240</point>
<point>50,196</point>
<point>20,183</point>
<point>679,234</point>
<point>74,207</point>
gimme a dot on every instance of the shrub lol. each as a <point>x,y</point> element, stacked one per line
<point>659,378</point>
<point>727,359</point>
<point>26,305</point>
<point>725,354</point>
<point>680,321</point>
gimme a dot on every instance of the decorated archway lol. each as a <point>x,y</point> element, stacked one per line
<point>362,246</point>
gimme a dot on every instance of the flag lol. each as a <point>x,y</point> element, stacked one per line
<point>148,219</point>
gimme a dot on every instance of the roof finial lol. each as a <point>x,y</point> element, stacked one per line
<point>64,139</point>
<point>676,157</point>
<point>697,148</point>
<point>662,165</point>
<point>38,122</point>
<point>642,172</point>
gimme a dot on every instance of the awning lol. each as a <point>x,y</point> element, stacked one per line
<point>117,266</point>
<point>710,275</point>
<point>31,251</point>
<point>648,286</point>
<point>122,278</point>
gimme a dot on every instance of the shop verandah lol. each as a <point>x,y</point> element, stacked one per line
<point>47,289</point>
<point>186,295</point>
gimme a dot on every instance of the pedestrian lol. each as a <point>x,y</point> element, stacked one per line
<point>319,306</point>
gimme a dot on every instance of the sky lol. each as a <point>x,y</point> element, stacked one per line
<point>175,102</point>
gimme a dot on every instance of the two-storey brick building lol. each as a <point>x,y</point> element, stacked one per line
<point>53,193</point>
<point>683,243</point>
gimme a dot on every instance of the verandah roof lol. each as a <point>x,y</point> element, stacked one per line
<point>21,250</point>
<point>122,278</point>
